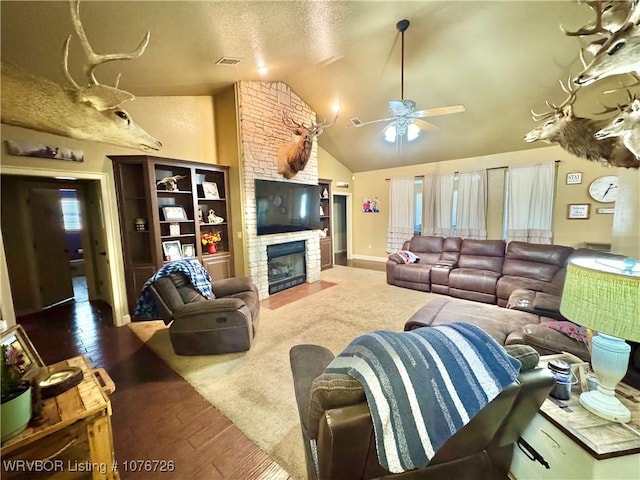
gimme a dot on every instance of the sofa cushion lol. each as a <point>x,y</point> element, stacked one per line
<point>548,341</point>
<point>426,244</point>
<point>482,281</point>
<point>507,284</point>
<point>523,253</point>
<point>482,254</point>
<point>413,272</point>
<point>496,321</point>
<point>451,249</point>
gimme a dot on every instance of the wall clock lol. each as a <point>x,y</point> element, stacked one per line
<point>604,189</point>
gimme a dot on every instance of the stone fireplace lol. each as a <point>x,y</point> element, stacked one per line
<point>260,108</point>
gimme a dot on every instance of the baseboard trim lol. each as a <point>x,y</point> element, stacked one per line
<point>369,257</point>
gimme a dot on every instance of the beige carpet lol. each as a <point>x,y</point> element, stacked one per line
<point>254,389</point>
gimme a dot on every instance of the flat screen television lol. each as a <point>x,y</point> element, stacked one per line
<point>283,207</point>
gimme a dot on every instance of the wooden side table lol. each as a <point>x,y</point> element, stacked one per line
<point>577,444</point>
<point>74,440</point>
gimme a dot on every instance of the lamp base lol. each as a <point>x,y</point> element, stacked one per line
<point>605,406</point>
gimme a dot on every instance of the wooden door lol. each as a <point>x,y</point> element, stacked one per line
<point>49,248</point>
<point>96,249</point>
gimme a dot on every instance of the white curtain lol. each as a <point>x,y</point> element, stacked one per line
<point>530,203</point>
<point>438,204</point>
<point>401,213</point>
<point>471,212</point>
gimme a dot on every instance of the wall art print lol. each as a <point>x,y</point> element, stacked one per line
<point>44,151</point>
<point>371,205</point>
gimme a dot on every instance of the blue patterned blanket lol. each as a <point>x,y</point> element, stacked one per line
<point>146,305</point>
<point>424,385</point>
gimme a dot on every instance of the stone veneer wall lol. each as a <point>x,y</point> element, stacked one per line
<point>260,107</point>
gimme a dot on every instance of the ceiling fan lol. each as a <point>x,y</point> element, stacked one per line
<point>405,119</point>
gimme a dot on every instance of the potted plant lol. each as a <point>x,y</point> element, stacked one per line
<point>15,405</point>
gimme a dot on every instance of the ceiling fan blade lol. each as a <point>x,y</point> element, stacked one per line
<point>434,112</point>
<point>427,126</point>
<point>372,121</point>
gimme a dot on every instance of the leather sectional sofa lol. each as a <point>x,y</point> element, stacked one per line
<point>486,271</point>
<point>527,278</point>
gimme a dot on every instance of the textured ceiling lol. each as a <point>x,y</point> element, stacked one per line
<point>499,59</point>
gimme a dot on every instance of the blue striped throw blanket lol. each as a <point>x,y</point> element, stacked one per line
<point>422,386</point>
<point>146,305</point>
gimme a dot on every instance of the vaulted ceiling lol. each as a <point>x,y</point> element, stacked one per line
<point>499,59</point>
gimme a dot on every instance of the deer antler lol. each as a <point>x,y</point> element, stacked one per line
<point>597,27</point>
<point>102,97</point>
<point>555,109</point>
<point>318,127</point>
<point>636,82</point>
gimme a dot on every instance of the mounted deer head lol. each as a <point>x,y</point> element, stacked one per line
<point>87,113</point>
<point>625,126</point>
<point>619,53</point>
<point>293,157</point>
<point>575,134</point>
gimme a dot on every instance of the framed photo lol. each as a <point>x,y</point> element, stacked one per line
<point>174,212</point>
<point>210,190</point>
<point>172,250</point>
<point>16,337</point>
<point>579,211</point>
<point>174,229</point>
<point>574,178</point>
<point>188,250</point>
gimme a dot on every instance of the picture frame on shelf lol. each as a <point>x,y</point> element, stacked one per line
<point>173,212</point>
<point>17,338</point>
<point>172,250</point>
<point>174,229</point>
<point>188,250</point>
<point>210,190</point>
<point>578,211</point>
<point>574,178</point>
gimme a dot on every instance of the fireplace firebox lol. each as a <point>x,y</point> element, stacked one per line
<point>286,265</point>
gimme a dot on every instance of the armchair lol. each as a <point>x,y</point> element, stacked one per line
<point>225,323</point>
<point>338,433</point>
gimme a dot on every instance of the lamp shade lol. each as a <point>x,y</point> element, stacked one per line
<point>601,294</point>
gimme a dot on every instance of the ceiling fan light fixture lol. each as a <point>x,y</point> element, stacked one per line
<point>413,131</point>
<point>390,133</point>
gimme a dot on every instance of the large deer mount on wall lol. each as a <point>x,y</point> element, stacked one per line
<point>90,112</point>
<point>615,51</point>
<point>293,157</point>
<point>578,135</point>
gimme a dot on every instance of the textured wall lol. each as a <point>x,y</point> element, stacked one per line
<point>260,107</point>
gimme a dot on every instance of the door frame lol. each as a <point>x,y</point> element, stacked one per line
<point>116,265</point>
<point>347,220</point>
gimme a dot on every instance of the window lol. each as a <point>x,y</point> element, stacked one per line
<point>70,209</point>
<point>417,215</point>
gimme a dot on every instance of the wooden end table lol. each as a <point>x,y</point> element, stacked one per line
<point>74,440</point>
<point>575,443</point>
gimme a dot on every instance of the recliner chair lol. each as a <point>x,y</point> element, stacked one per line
<point>199,326</point>
<point>334,413</point>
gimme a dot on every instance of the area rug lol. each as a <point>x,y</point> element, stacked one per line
<point>255,389</point>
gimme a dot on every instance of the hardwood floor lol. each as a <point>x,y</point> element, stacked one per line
<point>157,415</point>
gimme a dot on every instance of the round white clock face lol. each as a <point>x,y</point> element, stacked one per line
<point>604,189</point>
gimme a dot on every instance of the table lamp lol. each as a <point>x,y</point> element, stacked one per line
<point>603,294</point>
